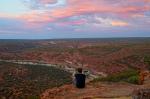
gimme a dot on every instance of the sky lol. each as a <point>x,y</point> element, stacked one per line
<point>49,19</point>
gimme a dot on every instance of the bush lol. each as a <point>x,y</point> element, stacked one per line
<point>129,75</point>
<point>147,60</point>
<point>133,79</point>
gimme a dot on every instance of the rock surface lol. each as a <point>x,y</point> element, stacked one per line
<point>96,90</point>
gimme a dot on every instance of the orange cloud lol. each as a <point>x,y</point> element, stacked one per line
<point>119,23</point>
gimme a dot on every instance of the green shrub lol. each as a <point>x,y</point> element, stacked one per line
<point>133,79</point>
<point>147,60</point>
<point>129,75</point>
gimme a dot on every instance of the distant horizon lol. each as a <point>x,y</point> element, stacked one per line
<point>73,38</point>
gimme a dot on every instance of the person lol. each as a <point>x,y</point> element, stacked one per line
<point>79,78</point>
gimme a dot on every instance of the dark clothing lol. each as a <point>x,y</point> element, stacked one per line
<point>80,80</point>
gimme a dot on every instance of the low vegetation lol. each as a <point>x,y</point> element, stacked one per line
<point>130,76</point>
<point>147,60</point>
<point>110,56</point>
<point>28,81</point>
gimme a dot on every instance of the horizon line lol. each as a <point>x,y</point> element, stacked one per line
<point>69,38</point>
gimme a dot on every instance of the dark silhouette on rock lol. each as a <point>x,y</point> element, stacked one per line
<point>80,79</point>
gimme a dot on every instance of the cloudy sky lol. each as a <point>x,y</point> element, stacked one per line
<point>43,19</point>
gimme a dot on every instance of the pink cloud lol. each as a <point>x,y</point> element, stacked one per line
<point>35,17</point>
<point>76,7</point>
<point>96,7</point>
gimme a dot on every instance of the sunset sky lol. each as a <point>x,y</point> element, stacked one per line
<point>44,19</point>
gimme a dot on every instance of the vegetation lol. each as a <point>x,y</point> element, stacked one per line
<point>99,50</point>
<point>28,81</point>
<point>101,55</point>
<point>147,60</point>
<point>130,76</point>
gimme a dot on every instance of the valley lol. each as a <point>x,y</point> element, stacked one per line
<point>30,68</point>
